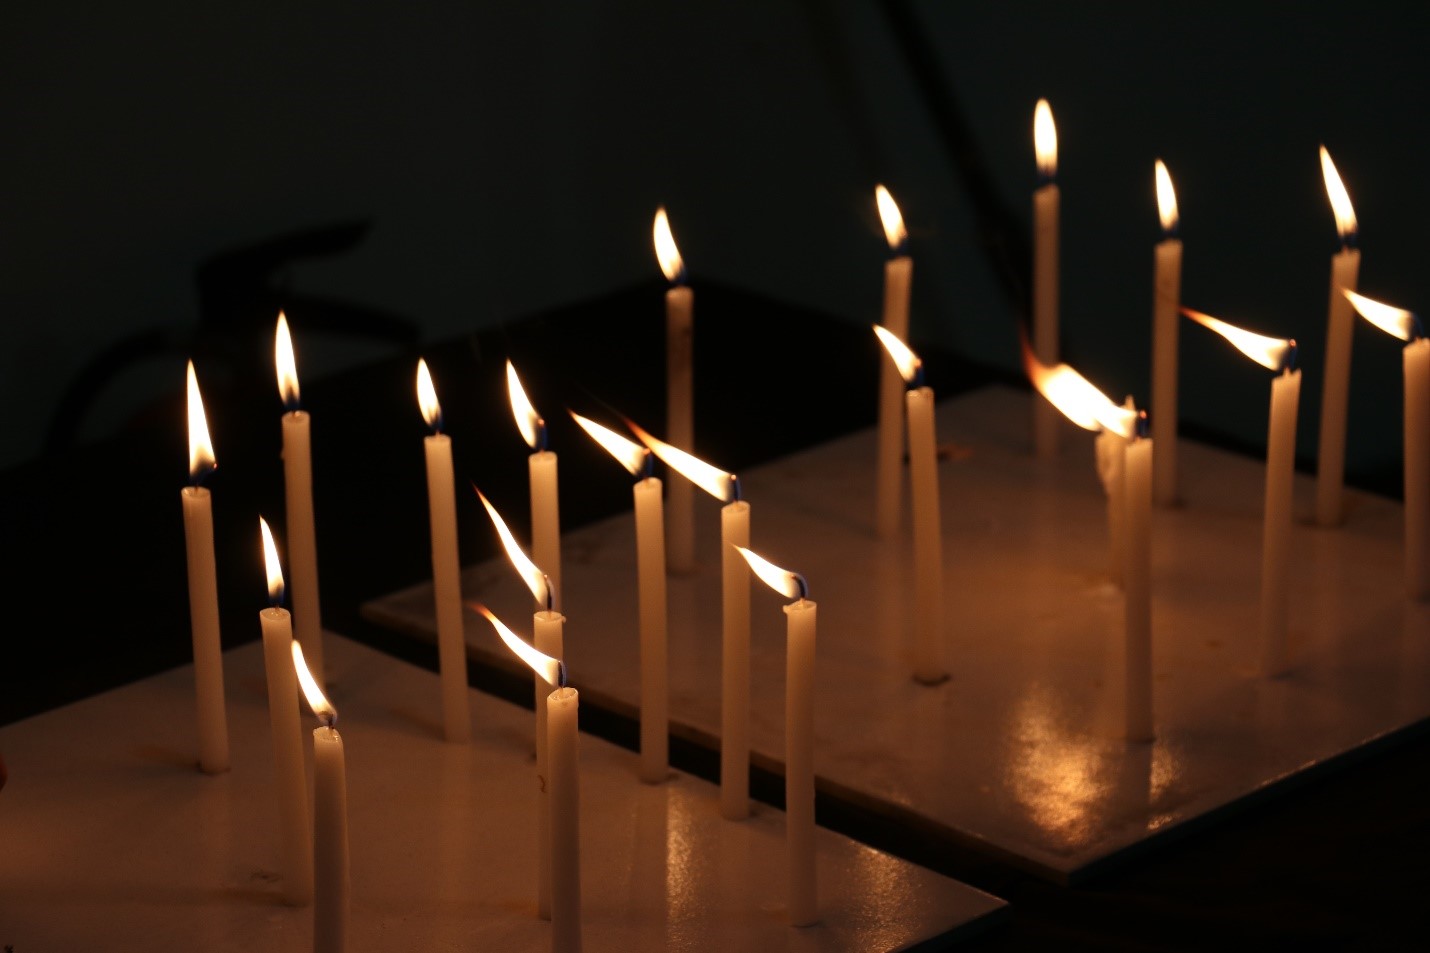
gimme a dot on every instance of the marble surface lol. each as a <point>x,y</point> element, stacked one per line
<point>1019,752</point>
<point>113,840</point>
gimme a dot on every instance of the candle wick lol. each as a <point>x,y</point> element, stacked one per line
<point>918,380</point>
<point>1417,329</point>
<point>550,592</point>
<point>1289,364</point>
<point>560,674</point>
<point>737,496</point>
<point>540,434</point>
<point>1143,425</point>
<point>647,464</point>
<point>803,584</point>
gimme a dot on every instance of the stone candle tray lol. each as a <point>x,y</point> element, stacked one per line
<point>1018,753</point>
<point>112,839</point>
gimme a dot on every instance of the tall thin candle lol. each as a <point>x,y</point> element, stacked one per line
<point>330,819</point>
<point>1046,204</point>
<point>446,570</point>
<point>1166,299</point>
<point>203,590</point>
<point>898,280</point>
<point>734,526</point>
<point>800,617</point>
<point>1340,320</point>
<point>679,389</point>
<point>298,490</point>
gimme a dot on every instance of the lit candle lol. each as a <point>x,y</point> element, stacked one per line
<point>203,590</point>
<point>549,638</point>
<point>735,603</point>
<point>330,819</point>
<point>1086,406</point>
<point>650,578</point>
<point>1110,448</point>
<point>929,661</point>
<point>1166,299</point>
<point>898,280</point>
<point>541,469</point>
<point>1045,268</point>
<point>1340,320</point>
<point>446,570</point>
<point>800,617</point>
<point>289,775</point>
<point>679,389</point>
<point>298,487</point>
<point>562,738</point>
<point>1416,368</point>
<point>1274,354</point>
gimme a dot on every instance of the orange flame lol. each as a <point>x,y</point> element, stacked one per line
<point>528,421</point>
<point>1340,199</point>
<point>271,565</point>
<point>534,578</point>
<point>284,363</point>
<point>1045,139</point>
<point>628,453</point>
<point>1166,199</point>
<point>427,397</point>
<point>905,359</point>
<point>317,701</point>
<point>544,665</point>
<point>1271,353</point>
<point>665,251</point>
<point>891,218</point>
<point>201,451</point>
<point>786,583</point>
<point>1078,400</point>
<point>1392,320</point>
<point>716,482</point>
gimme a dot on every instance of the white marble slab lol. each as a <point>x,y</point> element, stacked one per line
<point>1018,752</point>
<point>110,839</point>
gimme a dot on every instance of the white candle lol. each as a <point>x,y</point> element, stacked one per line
<point>212,718</point>
<point>735,664</point>
<point>800,616</point>
<point>679,390</point>
<point>898,283</point>
<point>1166,300</point>
<point>1046,202</point>
<point>1417,469</point>
<point>1137,590</point>
<point>650,565</point>
<point>541,473</point>
<point>563,737</point>
<point>446,569</point>
<point>1335,389</point>
<point>1111,451</point>
<point>290,778</point>
<point>298,495</point>
<point>330,820</point>
<point>929,662</point>
<point>548,637</point>
<point>1276,528</point>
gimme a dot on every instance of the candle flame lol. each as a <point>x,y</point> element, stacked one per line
<point>1077,399</point>
<point>1045,139</point>
<point>712,480</point>
<point>786,583</point>
<point>542,664</point>
<point>286,366</point>
<point>1166,199</point>
<point>905,359</point>
<point>665,251</point>
<point>317,701</point>
<point>528,421</point>
<point>1392,320</point>
<point>534,578</point>
<point>271,565</point>
<point>1340,199</point>
<point>201,451</point>
<point>891,218</point>
<point>628,453</point>
<point>427,397</point>
<point>1271,353</point>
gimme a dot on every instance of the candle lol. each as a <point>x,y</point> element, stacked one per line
<point>1139,468</point>
<point>1045,268</point>
<point>298,494</point>
<point>1166,299</point>
<point>734,525</point>
<point>290,777</point>
<point>1110,449</point>
<point>330,819</point>
<point>650,576</point>
<point>446,570</point>
<point>203,590</point>
<point>562,738</point>
<point>1071,394</point>
<point>1345,264</point>
<point>898,280</point>
<point>929,661</point>
<point>541,469</point>
<point>1416,369</point>
<point>549,639</point>
<point>800,615</point>
<point>1274,354</point>
<point>679,389</point>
